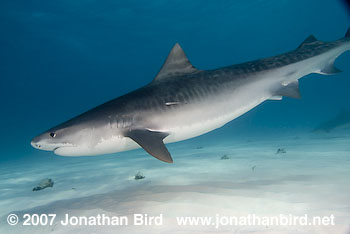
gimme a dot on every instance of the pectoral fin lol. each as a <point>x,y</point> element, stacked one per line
<point>152,142</point>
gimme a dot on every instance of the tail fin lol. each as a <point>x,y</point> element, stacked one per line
<point>347,7</point>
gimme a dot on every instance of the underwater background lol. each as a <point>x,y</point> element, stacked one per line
<point>61,58</point>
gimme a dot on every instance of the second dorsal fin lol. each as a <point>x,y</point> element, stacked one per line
<point>309,40</point>
<point>176,64</point>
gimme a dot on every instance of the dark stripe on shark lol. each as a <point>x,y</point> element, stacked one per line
<point>297,55</point>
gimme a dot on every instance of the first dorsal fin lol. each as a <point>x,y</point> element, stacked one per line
<point>309,40</point>
<point>176,64</point>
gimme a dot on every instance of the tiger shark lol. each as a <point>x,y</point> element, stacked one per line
<point>183,102</point>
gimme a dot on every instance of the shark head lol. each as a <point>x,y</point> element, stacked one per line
<point>64,138</point>
<point>56,138</point>
<point>81,136</point>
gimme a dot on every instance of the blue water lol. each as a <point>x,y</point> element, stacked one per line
<point>61,58</point>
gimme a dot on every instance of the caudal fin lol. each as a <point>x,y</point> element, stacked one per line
<point>329,68</point>
<point>347,8</point>
<point>347,34</point>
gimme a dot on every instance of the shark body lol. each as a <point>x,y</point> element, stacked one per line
<point>183,102</point>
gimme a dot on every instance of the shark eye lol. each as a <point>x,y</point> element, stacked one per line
<point>53,135</point>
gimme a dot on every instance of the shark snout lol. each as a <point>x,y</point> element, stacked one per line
<point>39,143</point>
<point>35,143</point>
<point>42,142</point>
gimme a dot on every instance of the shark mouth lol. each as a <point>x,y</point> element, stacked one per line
<point>71,150</point>
<point>56,148</point>
<point>60,148</point>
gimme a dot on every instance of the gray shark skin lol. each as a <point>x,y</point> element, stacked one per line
<point>183,102</point>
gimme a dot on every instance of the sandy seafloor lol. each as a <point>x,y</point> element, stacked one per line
<point>312,178</point>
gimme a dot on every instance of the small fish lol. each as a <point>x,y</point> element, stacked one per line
<point>172,103</point>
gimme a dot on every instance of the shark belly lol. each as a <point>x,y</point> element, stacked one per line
<point>102,145</point>
<point>208,115</point>
<point>195,129</point>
